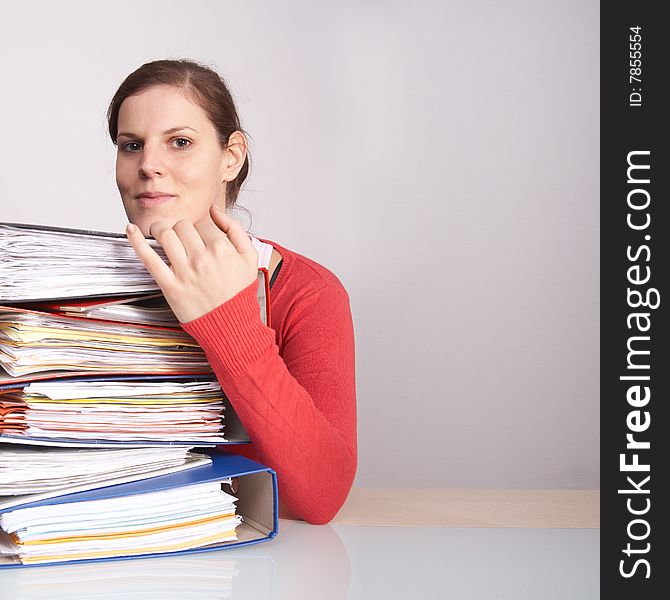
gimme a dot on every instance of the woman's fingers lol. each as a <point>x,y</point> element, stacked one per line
<point>212,235</point>
<point>170,242</point>
<point>153,263</point>
<point>190,237</point>
<point>235,232</point>
<point>211,261</point>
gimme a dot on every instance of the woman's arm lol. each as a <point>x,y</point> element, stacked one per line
<point>299,408</point>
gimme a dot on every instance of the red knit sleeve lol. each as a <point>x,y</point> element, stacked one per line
<point>299,408</point>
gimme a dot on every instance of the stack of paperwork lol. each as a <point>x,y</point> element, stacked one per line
<point>152,522</point>
<point>37,342</point>
<point>158,411</point>
<point>101,391</point>
<point>39,263</point>
<point>28,474</point>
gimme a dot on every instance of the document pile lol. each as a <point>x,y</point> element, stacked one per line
<point>152,522</point>
<point>33,342</point>
<point>193,510</point>
<point>113,410</point>
<point>101,391</point>
<point>46,262</point>
<point>29,474</point>
<point>151,309</point>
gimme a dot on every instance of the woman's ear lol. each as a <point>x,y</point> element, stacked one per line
<point>234,155</point>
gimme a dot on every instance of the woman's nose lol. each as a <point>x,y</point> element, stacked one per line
<point>152,164</point>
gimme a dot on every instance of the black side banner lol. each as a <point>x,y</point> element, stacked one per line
<point>635,356</point>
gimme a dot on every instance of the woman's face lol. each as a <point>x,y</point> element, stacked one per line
<point>169,164</point>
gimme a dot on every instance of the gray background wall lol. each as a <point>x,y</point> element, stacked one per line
<point>440,157</point>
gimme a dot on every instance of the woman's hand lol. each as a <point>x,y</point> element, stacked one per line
<point>210,262</point>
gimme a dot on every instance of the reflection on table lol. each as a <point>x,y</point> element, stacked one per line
<point>336,562</point>
<point>263,571</point>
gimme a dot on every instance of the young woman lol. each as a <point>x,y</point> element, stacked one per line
<point>181,160</point>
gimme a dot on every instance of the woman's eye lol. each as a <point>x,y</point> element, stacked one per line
<point>131,146</point>
<point>181,142</point>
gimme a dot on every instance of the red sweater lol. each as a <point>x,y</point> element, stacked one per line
<point>292,385</point>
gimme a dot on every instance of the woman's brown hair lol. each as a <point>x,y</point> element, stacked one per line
<point>203,85</point>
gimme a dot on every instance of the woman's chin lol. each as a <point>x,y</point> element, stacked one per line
<point>145,219</point>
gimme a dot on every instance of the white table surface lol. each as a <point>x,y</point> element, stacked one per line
<point>343,561</point>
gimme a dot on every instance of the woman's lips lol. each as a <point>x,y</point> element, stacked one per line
<point>149,201</point>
